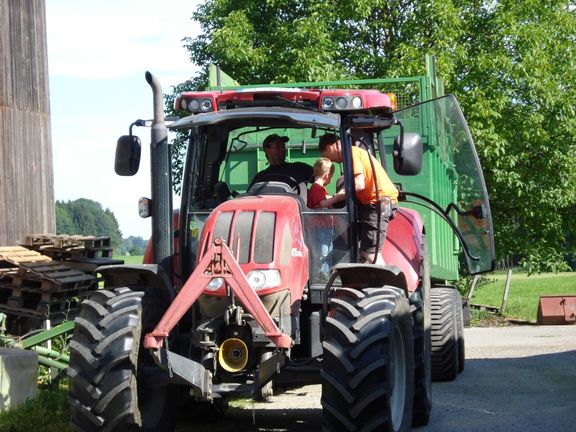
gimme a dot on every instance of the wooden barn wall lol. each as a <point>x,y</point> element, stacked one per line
<point>26,168</point>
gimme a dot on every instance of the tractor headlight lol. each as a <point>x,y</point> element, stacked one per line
<point>356,102</point>
<point>194,105</point>
<point>215,284</point>
<point>206,105</point>
<point>262,279</point>
<point>327,103</point>
<point>341,103</point>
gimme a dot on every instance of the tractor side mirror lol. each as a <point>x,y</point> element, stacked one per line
<point>408,154</point>
<point>127,159</point>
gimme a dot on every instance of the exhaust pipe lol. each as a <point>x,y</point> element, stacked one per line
<point>233,355</point>
<point>161,178</point>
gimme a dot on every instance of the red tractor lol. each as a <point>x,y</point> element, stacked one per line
<point>233,301</point>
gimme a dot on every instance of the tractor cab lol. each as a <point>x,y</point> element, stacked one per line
<point>426,149</point>
<point>226,153</point>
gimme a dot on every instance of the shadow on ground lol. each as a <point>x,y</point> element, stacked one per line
<point>527,394</point>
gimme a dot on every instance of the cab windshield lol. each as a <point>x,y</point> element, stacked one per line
<point>451,183</point>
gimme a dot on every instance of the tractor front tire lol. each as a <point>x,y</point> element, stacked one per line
<point>112,376</point>
<point>368,361</point>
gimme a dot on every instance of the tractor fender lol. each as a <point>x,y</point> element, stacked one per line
<point>361,276</point>
<point>370,275</point>
<point>403,246</point>
<point>138,275</point>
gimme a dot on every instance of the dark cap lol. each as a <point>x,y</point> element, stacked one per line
<point>271,139</point>
<point>326,140</point>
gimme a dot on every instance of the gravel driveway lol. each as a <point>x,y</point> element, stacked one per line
<point>518,378</point>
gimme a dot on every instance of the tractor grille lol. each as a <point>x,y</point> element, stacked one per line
<point>254,231</point>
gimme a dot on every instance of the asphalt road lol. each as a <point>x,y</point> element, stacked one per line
<point>520,378</point>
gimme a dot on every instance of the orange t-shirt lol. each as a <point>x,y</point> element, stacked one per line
<point>361,165</point>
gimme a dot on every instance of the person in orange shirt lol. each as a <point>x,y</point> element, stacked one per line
<point>372,203</point>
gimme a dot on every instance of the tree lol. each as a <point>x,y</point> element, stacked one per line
<point>517,95</point>
<point>64,223</point>
<point>87,217</point>
<point>133,246</point>
<point>511,64</point>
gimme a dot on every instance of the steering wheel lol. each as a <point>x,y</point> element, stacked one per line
<point>283,178</point>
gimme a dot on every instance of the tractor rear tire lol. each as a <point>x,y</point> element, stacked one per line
<point>445,355</point>
<point>112,384</point>
<point>368,361</point>
<point>460,331</point>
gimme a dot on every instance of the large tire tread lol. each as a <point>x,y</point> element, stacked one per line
<point>422,346</point>
<point>444,334</point>
<point>460,331</point>
<point>357,338</point>
<point>105,355</point>
<point>100,368</point>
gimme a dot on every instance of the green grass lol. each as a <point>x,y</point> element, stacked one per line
<point>135,259</point>
<point>47,412</point>
<point>524,293</point>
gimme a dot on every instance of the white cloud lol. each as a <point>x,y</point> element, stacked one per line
<point>111,39</point>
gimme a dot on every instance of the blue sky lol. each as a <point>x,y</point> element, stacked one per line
<point>98,53</point>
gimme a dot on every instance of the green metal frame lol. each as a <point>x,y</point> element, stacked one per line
<point>46,356</point>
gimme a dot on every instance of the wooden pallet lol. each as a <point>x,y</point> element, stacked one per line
<point>62,247</point>
<point>21,321</point>
<point>16,314</point>
<point>13,256</point>
<point>7,272</point>
<point>43,289</point>
<point>51,276</point>
<point>63,241</point>
<point>51,240</point>
<point>46,302</point>
<point>34,287</point>
<point>5,291</point>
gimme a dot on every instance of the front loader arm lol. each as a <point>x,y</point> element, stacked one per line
<point>218,261</point>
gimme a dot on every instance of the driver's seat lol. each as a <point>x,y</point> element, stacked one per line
<point>276,188</point>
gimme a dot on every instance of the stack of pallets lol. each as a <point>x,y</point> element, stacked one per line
<point>35,286</point>
<point>84,253</point>
<point>63,247</point>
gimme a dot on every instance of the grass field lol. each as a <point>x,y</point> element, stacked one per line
<point>47,412</point>
<point>135,259</point>
<point>524,293</point>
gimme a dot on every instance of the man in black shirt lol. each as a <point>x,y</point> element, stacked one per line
<point>280,170</point>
